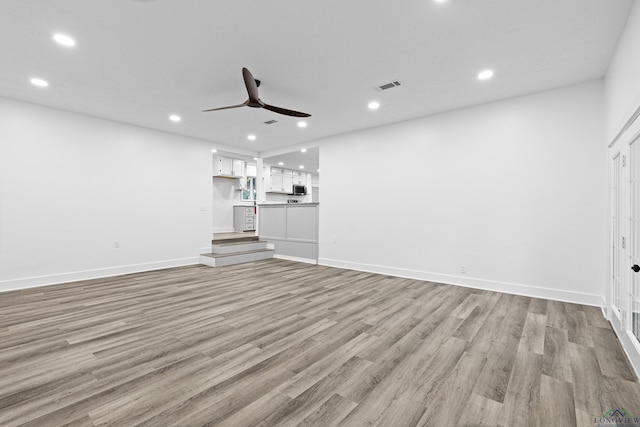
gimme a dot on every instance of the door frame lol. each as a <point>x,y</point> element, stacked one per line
<point>615,313</point>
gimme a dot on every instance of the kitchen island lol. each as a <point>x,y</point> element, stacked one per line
<point>292,229</point>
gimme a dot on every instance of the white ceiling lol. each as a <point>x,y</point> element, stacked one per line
<point>138,61</point>
<point>296,158</point>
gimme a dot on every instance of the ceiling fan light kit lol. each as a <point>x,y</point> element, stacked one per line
<point>254,100</point>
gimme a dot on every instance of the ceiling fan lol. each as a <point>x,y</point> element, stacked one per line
<point>255,102</point>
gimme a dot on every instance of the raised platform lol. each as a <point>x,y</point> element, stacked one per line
<point>235,248</point>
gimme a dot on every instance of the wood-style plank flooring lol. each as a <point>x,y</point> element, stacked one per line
<point>276,343</point>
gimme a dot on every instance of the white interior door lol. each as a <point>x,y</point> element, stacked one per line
<point>624,304</point>
<point>631,319</point>
<point>635,311</point>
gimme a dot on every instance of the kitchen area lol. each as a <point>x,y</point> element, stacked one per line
<point>275,198</point>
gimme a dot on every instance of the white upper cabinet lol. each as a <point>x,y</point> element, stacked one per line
<point>277,179</point>
<point>283,180</point>
<point>238,168</point>
<point>276,183</point>
<point>222,166</point>
<point>251,170</point>
<point>299,178</point>
<point>227,168</point>
<point>287,183</point>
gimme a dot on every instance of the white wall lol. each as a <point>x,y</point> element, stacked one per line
<point>71,186</point>
<point>514,191</point>
<point>622,84</point>
<point>224,197</point>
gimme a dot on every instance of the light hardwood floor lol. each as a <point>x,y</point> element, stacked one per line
<point>279,343</point>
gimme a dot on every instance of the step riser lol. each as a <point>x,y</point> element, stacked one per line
<point>236,240</point>
<point>235,259</point>
<point>229,249</point>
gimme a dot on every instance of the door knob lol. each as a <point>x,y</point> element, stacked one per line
<point>636,268</point>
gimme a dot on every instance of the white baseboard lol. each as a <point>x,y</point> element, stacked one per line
<point>296,259</point>
<point>487,285</point>
<point>633,355</point>
<point>33,282</point>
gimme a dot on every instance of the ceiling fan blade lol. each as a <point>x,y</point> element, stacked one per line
<point>251,85</point>
<point>225,108</point>
<point>285,111</point>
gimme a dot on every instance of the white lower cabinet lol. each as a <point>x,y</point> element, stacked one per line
<point>244,218</point>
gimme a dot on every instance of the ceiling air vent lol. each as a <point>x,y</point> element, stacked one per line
<point>389,85</point>
<point>270,122</point>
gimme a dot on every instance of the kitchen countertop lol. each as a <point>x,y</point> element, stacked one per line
<point>287,204</point>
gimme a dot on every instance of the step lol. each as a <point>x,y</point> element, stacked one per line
<point>244,246</point>
<point>220,260</point>
<point>238,239</point>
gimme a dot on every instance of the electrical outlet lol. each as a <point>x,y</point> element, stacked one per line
<point>335,240</point>
<point>463,269</point>
<point>116,245</point>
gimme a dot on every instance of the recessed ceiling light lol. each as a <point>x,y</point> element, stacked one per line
<point>301,166</point>
<point>374,105</point>
<point>39,82</point>
<point>304,150</point>
<point>441,1</point>
<point>280,163</point>
<point>251,137</point>
<point>255,158</point>
<point>318,170</point>
<point>302,124</point>
<point>174,118</point>
<point>214,151</point>
<point>485,74</point>
<point>64,40</point>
